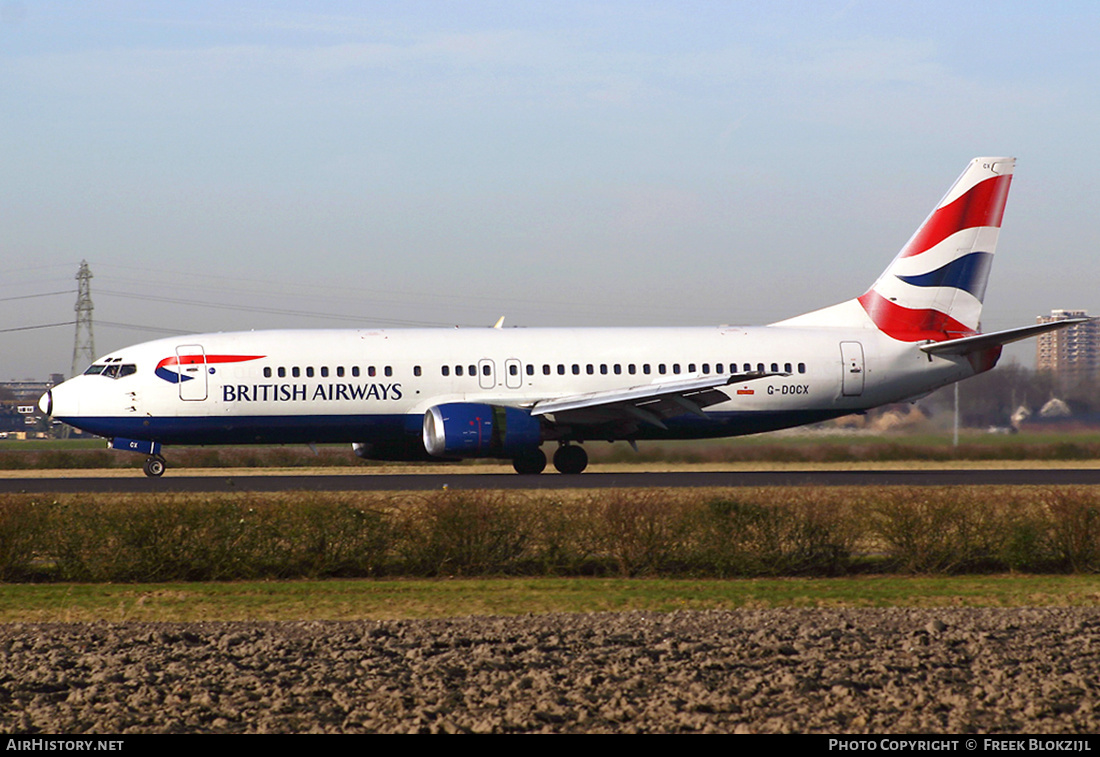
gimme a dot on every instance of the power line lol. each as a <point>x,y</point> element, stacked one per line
<point>42,326</point>
<point>140,327</point>
<point>32,296</point>
<point>270,311</point>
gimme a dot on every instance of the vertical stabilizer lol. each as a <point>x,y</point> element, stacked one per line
<point>933,289</point>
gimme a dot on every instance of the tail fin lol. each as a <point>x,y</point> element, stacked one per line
<point>933,289</point>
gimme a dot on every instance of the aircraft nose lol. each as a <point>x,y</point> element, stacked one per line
<point>60,402</point>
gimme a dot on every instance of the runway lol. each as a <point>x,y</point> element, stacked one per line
<point>502,481</point>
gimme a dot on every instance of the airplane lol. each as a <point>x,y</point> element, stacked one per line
<point>452,394</point>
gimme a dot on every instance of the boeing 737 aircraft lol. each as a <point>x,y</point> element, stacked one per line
<point>502,393</point>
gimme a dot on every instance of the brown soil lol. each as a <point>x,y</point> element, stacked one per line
<point>824,671</point>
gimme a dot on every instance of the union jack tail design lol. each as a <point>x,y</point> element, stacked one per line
<point>933,289</point>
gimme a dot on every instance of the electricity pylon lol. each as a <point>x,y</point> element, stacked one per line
<point>84,341</point>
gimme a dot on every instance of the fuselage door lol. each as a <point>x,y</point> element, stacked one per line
<point>486,374</point>
<point>513,373</point>
<point>851,355</point>
<point>191,364</point>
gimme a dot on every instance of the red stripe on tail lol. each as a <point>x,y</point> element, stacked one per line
<point>907,325</point>
<point>982,205</point>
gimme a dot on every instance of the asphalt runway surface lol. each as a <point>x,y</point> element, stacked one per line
<point>180,482</point>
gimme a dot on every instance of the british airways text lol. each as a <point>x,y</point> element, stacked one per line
<point>302,392</point>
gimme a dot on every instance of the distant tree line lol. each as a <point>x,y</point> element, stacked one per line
<point>992,398</point>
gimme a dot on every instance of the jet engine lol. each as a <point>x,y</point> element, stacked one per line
<point>466,429</point>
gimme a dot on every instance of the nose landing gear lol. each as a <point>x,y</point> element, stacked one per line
<point>154,466</point>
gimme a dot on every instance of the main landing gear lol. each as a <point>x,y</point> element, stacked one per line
<point>570,459</point>
<point>154,466</point>
<point>530,463</point>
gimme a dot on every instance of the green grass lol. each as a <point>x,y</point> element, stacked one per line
<point>397,599</point>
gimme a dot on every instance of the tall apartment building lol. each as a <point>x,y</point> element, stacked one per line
<point>1072,351</point>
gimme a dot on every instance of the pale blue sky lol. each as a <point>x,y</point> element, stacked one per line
<point>558,163</point>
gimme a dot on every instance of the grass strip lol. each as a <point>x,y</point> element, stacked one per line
<point>442,598</point>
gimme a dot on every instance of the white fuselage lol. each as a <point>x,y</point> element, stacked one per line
<point>375,386</point>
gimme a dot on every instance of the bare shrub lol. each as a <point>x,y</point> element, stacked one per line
<point>641,530</point>
<point>940,530</point>
<point>791,532</point>
<point>1074,529</point>
<point>460,533</point>
<point>21,527</point>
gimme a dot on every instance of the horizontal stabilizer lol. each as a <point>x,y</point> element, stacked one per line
<point>979,342</point>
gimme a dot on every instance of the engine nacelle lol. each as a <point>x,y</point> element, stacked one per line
<point>472,430</point>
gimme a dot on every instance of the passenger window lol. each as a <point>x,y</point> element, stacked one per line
<point>801,367</point>
<point>589,369</point>
<point>561,369</point>
<point>775,367</point>
<point>760,367</point>
<point>295,371</point>
<point>691,367</point>
<point>787,367</point>
<point>530,370</point>
<point>446,370</point>
<point>355,371</point>
<point>706,368</point>
<point>676,368</point>
<point>370,370</point>
<point>324,371</point>
<point>282,372</point>
<point>416,370</point>
<point>576,369</point>
<point>630,368</point>
<point>661,369</point>
<point>458,370</point>
<point>485,370</point>
<point>645,368</point>
<point>603,369</point>
<point>618,369</point>
<point>389,370</point>
<point>545,369</point>
<point>309,371</point>
<point>267,372</point>
<point>513,370</point>
<point>473,370</point>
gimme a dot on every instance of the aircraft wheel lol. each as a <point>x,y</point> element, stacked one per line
<point>154,466</point>
<point>570,459</point>
<point>530,463</point>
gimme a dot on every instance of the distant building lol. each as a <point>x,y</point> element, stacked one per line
<point>19,402</point>
<point>1072,352</point>
<point>29,390</point>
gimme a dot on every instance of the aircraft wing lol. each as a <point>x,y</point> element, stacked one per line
<point>649,403</point>
<point>978,342</point>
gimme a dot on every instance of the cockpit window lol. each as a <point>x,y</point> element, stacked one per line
<point>114,370</point>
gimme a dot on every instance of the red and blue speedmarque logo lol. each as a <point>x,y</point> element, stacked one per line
<point>175,377</point>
